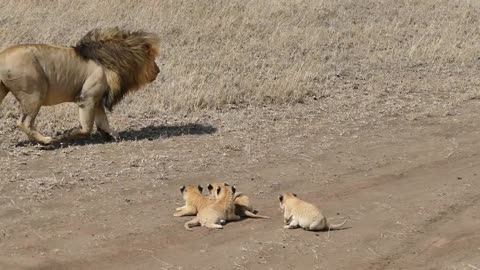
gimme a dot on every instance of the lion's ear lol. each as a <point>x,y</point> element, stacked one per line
<point>218,190</point>
<point>280,198</point>
<point>233,189</point>
<point>151,51</point>
<point>294,194</point>
<point>209,187</point>
<point>182,189</point>
<point>147,47</point>
<point>200,188</point>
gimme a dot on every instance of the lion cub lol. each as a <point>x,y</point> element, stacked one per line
<point>243,207</point>
<point>298,213</point>
<point>194,201</point>
<point>214,215</point>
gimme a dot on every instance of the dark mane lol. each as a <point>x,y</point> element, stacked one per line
<point>123,53</point>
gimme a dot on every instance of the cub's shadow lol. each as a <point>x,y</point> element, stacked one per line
<point>149,133</point>
<point>331,230</point>
<point>317,232</point>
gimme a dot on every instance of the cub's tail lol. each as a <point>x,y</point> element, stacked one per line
<point>336,226</point>
<point>191,223</point>
<point>253,215</point>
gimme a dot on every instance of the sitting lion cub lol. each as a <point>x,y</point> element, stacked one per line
<point>214,215</point>
<point>243,207</point>
<point>298,213</point>
<point>194,201</point>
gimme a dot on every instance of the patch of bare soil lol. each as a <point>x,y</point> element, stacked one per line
<point>410,189</point>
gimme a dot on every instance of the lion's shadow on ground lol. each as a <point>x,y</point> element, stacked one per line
<point>155,132</point>
<point>149,133</point>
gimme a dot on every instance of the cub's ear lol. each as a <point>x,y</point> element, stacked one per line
<point>210,187</point>
<point>233,189</point>
<point>226,184</point>
<point>280,198</point>
<point>200,188</point>
<point>294,194</point>
<point>218,190</point>
<point>182,189</point>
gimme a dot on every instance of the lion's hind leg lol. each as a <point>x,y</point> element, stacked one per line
<point>27,124</point>
<point>30,105</point>
<point>30,92</point>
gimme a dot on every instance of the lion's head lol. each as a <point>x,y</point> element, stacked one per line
<point>127,56</point>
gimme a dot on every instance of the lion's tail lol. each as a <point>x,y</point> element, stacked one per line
<point>3,91</point>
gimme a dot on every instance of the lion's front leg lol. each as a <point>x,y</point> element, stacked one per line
<point>86,115</point>
<point>103,127</point>
<point>90,96</point>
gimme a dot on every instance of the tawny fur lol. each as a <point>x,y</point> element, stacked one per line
<point>243,206</point>
<point>96,74</point>
<point>298,213</point>
<point>215,215</point>
<point>194,201</point>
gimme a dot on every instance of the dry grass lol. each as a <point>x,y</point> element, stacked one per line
<point>368,56</point>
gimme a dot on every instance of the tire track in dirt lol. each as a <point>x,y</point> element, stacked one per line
<point>409,247</point>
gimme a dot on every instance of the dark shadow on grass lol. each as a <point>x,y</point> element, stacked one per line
<point>146,133</point>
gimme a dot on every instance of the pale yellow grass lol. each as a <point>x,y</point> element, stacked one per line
<point>219,54</point>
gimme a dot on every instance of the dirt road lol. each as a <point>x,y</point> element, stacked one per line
<point>410,189</point>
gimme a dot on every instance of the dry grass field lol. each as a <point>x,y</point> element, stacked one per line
<point>369,109</point>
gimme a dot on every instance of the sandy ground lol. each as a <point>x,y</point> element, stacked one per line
<point>410,189</point>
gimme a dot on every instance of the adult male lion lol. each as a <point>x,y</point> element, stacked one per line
<point>96,73</point>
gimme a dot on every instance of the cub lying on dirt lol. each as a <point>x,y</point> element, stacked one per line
<point>194,201</point>
<point>298,213</point>
<point>214,215</point>
<point>243,207</point>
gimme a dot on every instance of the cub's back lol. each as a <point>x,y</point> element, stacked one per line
<point>305,209</point>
